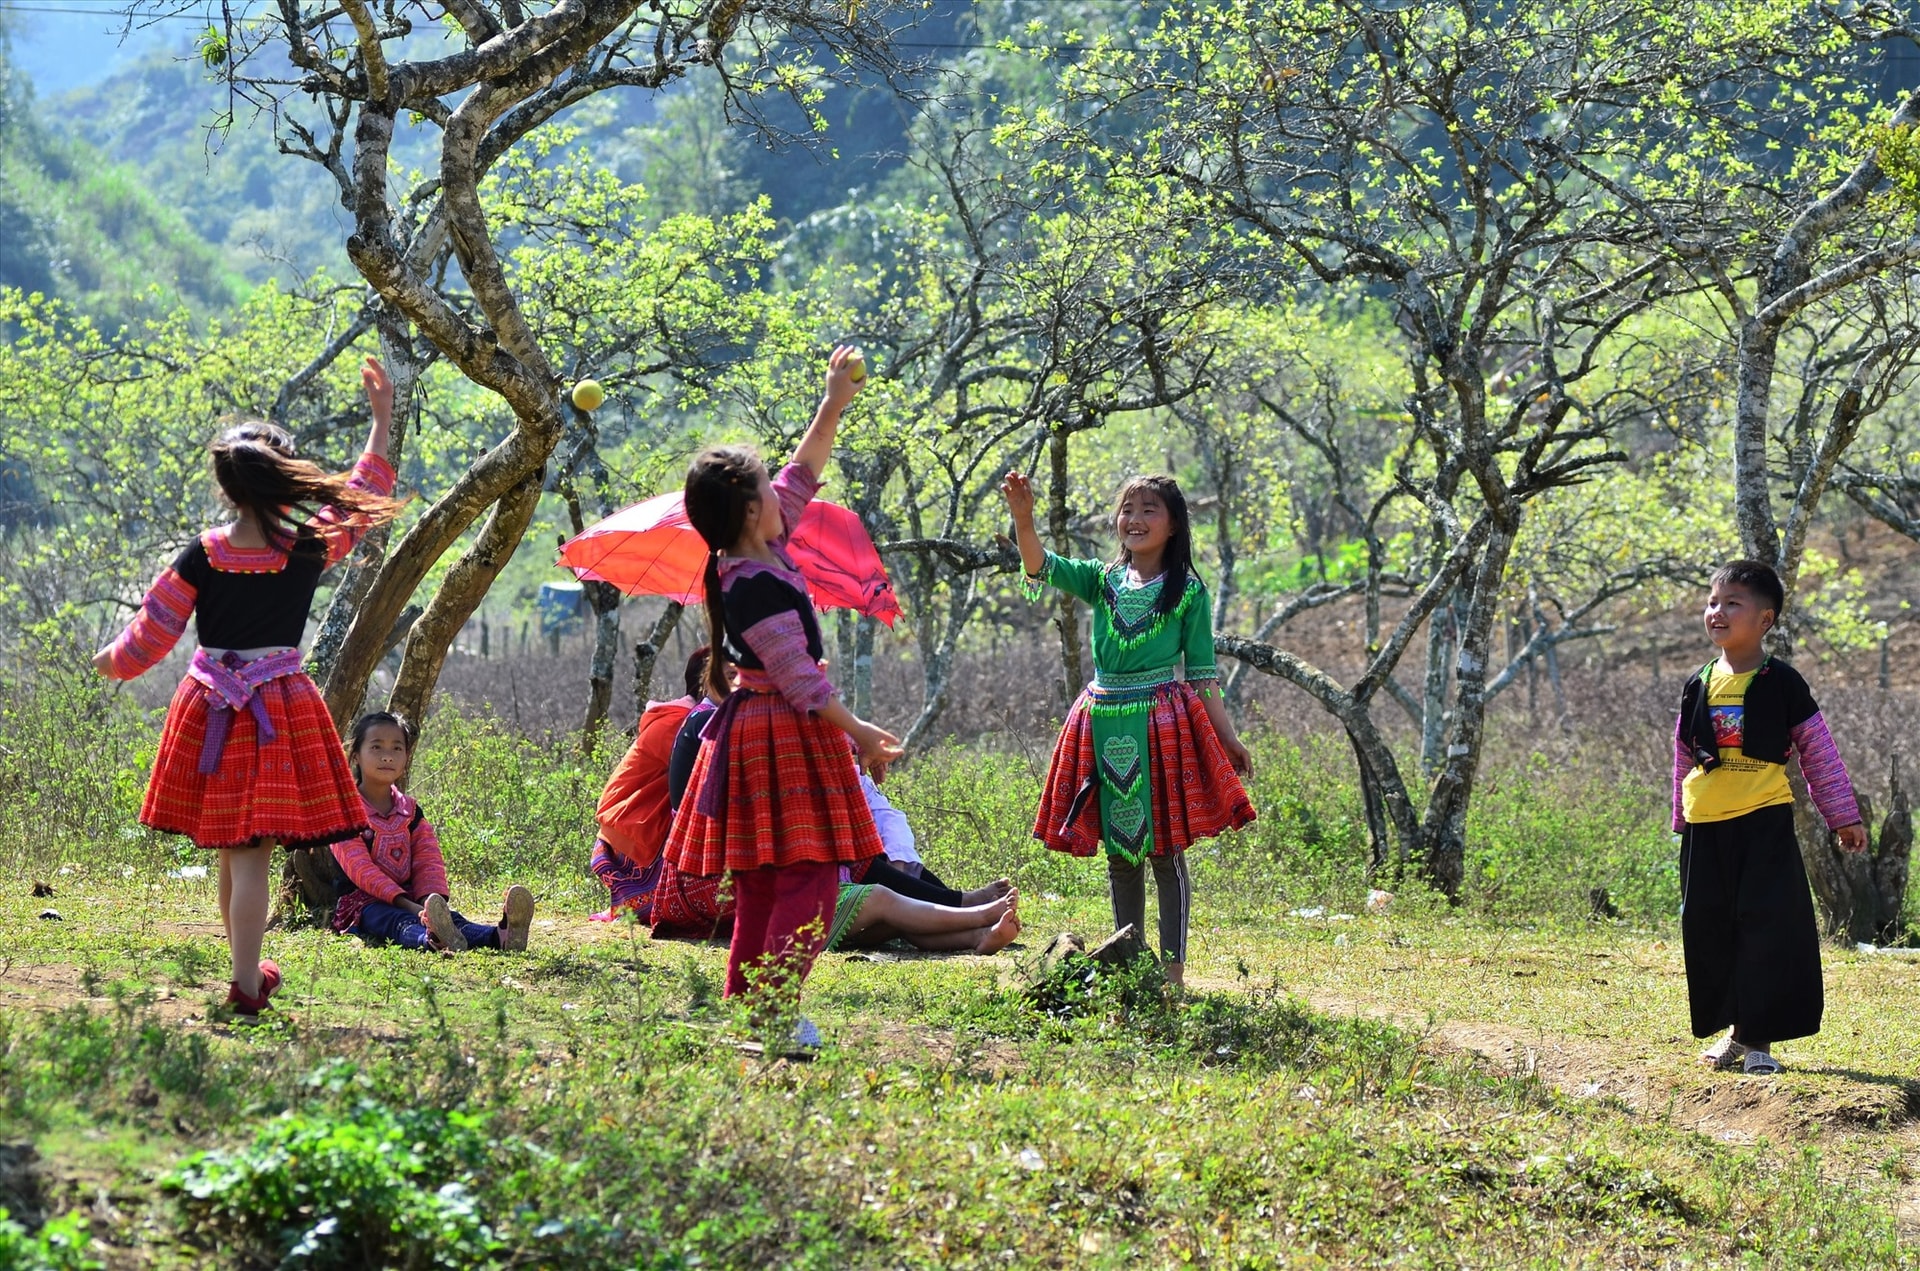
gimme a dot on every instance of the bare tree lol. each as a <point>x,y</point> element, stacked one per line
<point>1442,156</point>
<point>341,79</point>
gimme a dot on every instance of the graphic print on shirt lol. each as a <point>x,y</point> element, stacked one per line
<point>1728,725</point>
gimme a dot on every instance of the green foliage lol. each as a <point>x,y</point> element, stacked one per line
<point>78,226</point>
<point>61,1244</point>
<point>506,807</point>
<point>104,453</point>
<point>369,1187</point>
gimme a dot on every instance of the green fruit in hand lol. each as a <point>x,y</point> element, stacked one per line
<point>857,366</point>
<point>588,395</point>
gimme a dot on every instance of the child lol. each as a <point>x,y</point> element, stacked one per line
<point>1160,753</point>
<point>634,815</point>
<point>249,756</point>
<point>399,878</point>
<point>776,797</point>
<point>1746,915</point>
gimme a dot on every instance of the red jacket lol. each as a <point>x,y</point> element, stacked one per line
<point>633,813</point>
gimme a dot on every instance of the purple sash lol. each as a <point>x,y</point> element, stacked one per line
<point>230,685</point>
<point>719,731</point>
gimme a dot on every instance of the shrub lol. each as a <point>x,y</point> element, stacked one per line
<point>373,1187</point>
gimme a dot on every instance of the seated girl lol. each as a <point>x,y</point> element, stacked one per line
<point>634,813</point>
<point>690,908</point>
<point>399,877</point>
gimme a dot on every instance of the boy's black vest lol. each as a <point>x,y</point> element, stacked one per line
<point>1777,701</point>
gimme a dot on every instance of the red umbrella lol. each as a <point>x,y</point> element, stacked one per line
<point>649,549</point>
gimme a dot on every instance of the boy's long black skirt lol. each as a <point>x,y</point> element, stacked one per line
<point>1747,921</point>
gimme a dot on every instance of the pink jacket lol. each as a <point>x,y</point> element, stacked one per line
<point>403,858</point>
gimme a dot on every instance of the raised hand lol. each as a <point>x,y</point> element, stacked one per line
<point>379,386</point>
<point>1018,491</point>
<point>841,386</point>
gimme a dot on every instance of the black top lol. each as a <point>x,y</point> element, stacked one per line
<point>754,599</point>
<point>246,609</point>
<point>1777,701</point>
<point>686,749</point>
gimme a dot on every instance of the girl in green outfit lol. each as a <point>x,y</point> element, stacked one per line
<point>1148,763</point>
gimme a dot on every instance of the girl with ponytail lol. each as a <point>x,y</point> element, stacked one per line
<point>249,757</point>
<point>775,799</point>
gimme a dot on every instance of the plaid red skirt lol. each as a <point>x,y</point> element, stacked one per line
<point>1196,793</point>
<point>296,788</point>
<point>793,795</point>
<point>691,908</point>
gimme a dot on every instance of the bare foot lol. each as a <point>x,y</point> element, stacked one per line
<point>981,895</point>
<point>1000,934</point>
<point>1002,905</point>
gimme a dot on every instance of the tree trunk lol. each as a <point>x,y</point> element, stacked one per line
<point>646,654</point>
<point>459,595</point>
<point>864,628</point>
<point>1433,701</point>
<point>939,660</point>
<point>1371,801</point>
<point>1756,355</point>
<point>1059,524</point>
<point>1861,894</point>
<point>605,599</point>
<point>1444,828</point>
<point>1892,859</point>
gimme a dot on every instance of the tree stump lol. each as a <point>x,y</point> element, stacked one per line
<point>1069,971</point>
<point>1861,894</point>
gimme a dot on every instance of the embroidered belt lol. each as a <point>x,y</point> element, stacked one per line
<point>719,730</point>
<point>231,685</point>
<point>1112,687</point>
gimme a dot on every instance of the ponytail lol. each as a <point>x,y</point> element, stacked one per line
<point>716,671</point>
<point>256,468</point>
<point>723,485</point>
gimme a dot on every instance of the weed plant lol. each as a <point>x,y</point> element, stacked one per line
<point>75,754</point>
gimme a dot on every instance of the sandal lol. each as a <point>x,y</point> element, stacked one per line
<point>440,925</point>
<point>1759,1063</point>
<point>1724,1054</point>
<point>516,920</point>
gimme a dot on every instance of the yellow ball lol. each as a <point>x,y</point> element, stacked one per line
<point>857,366</point>
<point>588,395</point>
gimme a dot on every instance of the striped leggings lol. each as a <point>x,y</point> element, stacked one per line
<point>1127,884</point>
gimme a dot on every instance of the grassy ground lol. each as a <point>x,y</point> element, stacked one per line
<point>1414,1088</point>
<point>1502,1084</point>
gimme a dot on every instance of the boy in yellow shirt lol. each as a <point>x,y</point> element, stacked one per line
<point>1746,914</point>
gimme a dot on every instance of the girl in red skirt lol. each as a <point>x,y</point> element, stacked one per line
<point>778,804</point>
<point>249,756</point>
<point>1148,764</point>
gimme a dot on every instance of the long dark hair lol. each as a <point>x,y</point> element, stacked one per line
<point>257,470</point>
<point>1176,560</point>
<point>370,721</point>
<point>723,484</point>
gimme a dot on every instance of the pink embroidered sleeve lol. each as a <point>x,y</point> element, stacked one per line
<point>1682,765</point>
<point>357,863</point>
<point>1826,774</point>
<point>795,486</point>
<point>780,642</point>
<point>429,867</point>
<point>343,533</point>
<point>154,631</point>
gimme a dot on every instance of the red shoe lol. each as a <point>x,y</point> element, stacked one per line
<point>269,978</point>
<point>244,1004</point>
